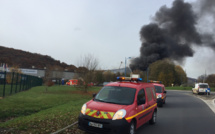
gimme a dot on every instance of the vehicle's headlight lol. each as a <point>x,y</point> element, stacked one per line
<point>119,114</point>
<point>159,96</point>
<point>83,109</point>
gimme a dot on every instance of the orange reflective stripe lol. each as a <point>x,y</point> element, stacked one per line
<point>131,117</point>
<point>87,111</point>
<point>93,114</point>
<point>109,116</point>
<point>102,114</point>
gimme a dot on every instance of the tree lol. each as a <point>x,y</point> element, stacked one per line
<point>211,80</point>
<point>87,67</point>
<point>143,74</point>
<point>167,72</point>
<point>98,77</point>
<point>109,76</point>
<point>47,78</point>
<point>162,70</point>
<point>181,76</point>
<point>202,78</point>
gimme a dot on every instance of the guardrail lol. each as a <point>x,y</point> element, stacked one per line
<point>11,83</point>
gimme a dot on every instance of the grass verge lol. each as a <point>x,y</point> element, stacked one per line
<point>179,88</point>
<point>184,88</point>
<point>38,111</point>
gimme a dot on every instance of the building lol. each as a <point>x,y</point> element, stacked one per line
<point>41,73</point>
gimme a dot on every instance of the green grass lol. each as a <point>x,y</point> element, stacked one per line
<point>185,88</point>
<point>41,111</point>
<point>179,88</point>
<point>8,89</point>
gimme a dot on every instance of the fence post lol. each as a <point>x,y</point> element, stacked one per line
<point>20,85</point>
<point>26,86</point>
<point>30,81</point>
<point>24,82</point>
<point>11,86</point>
<point>4,83</point>
<point>17,78</point>
<point>27,82</point>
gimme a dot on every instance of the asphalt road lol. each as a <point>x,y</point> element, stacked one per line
<point>183,113</point>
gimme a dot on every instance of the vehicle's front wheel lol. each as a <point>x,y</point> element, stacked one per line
<point>132,129</point>
<point>154,118</point>
<point>164,101</point>
<point>160,104</point>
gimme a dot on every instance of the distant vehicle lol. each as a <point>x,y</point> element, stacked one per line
<point>119,108</point>
<point>72,82</point>
<point>160,92</point>
<point>105,83</point>
<point>201,88</point>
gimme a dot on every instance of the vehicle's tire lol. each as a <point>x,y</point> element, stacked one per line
<point>153,120</point>
<point>132,128</point>
<point>160,104</point>
<point>164,101</point>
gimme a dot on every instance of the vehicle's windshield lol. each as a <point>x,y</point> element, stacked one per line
<point>203,86</point>
<point>116,95</point>
<point>158,89</point>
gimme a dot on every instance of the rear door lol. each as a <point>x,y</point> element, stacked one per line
<point>151,99</point>
<point>141,108</point>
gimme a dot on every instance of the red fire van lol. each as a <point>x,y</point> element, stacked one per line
<point>120,108</point>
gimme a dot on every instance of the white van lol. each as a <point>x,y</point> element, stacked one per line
<point>201,88</point>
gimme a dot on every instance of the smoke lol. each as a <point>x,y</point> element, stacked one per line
<point>174,32</point>
<point>206,14</point>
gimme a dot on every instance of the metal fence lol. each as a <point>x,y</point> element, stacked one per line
<point>11,83</point>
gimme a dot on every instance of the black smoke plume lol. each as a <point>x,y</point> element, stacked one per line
<point>172,34</point>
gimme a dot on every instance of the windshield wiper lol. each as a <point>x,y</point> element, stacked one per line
<point>99,100</point>
<point>113,102</point>
<point>109,102</point>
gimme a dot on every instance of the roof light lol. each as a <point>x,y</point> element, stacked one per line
<point>152,81</point>
<point>136,79</point>
<point>129,79</point>
<point>123,78</point>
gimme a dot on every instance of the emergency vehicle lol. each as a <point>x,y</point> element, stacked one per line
<point>201,88</point>
<point>119,107</point>
<point>72,82</point>
<point>160,92</point>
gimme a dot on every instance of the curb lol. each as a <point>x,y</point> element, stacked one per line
<point>210,103</point>
<point>65,128</point>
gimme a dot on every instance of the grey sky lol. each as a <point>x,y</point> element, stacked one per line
<point>69,29</point>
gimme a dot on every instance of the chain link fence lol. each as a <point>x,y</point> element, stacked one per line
<point>11,83</point>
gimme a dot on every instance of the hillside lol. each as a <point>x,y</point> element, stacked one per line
<point>23,59</point>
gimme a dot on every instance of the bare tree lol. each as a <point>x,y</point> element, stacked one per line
<point>87,67</point>
<point>47,78</point>
<point>89,61</point>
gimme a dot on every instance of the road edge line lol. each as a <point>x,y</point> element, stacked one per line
<point>65,128</point>
<point>210,103</point>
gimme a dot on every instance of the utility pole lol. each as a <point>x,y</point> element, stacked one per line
<point>204,77</point>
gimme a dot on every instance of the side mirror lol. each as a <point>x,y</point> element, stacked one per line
<point>94,95</point>
<point>165,92</point>
<point>141,101</point>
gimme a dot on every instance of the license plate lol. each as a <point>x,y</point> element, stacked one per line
<point>98,125</point>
